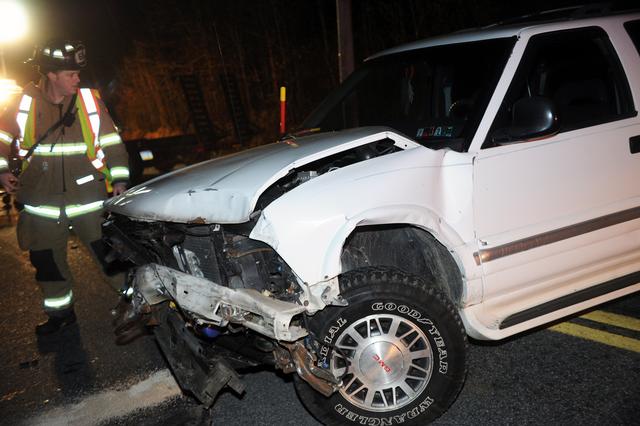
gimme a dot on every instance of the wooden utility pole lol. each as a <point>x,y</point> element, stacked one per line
<point>345,38</point>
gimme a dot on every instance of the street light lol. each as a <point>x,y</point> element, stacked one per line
<point>13,25</point>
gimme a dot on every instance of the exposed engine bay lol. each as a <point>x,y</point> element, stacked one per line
<point>203,288</point>
<point>304,173</point>
<point>218,300</point>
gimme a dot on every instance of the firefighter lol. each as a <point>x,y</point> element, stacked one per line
<point>69,157</point>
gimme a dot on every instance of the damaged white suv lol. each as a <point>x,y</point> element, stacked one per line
<point>479,184</point>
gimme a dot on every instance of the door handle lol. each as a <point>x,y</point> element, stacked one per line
<point>634,144</point>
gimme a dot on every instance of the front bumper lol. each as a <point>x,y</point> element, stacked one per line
<point>211,303</point>
<point>200,366</point>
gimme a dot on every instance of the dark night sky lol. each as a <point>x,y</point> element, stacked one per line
<point>106,26</point>
<point>136,48</point>
<point>87,20</point>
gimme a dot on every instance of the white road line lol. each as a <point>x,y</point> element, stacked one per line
<point>97,408</point>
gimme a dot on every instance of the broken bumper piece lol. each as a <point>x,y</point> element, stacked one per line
<point>212,303</point>
<point>203,376</point>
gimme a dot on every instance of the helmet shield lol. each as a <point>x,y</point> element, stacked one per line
<point>59,55</point>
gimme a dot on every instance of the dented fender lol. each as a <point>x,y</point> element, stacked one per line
<point>309,225</point>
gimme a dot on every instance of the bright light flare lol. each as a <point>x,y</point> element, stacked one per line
<point>13,21</point>
<point>8,88</point>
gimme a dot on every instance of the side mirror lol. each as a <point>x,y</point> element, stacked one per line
<point>533,117</point>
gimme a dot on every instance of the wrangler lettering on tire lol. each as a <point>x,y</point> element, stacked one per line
<point>399,349</point>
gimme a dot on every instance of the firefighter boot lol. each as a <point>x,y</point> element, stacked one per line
<point>55,323</point>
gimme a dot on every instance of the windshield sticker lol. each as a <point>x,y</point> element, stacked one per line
<point>435,132</point>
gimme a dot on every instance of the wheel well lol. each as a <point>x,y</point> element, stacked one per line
<point>405,247</point>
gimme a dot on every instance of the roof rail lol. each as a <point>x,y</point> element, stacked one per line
<point>573,12</point>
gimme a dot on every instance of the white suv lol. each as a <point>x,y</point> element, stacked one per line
<point>481,183</point>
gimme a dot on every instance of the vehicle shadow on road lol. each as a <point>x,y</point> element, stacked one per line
<point>71,364</point>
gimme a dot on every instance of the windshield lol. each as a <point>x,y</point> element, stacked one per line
<point>435,95</point>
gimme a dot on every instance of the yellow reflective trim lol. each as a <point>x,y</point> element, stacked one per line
<point>84,180</point>
<point>59,302</point>
<point>94,119</point>
<point>6,137</point>
<point>90,104</point>
<point>119,172</point>
<point>22,122</point>
<point>25,103</point>
<point>22,118</point>
<point>146,155</point>
<point>65,148</point>
<point>81,209</point>
<point>44,211</point>
<point>110,139</point>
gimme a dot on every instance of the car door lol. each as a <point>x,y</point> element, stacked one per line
<point>558,218</point>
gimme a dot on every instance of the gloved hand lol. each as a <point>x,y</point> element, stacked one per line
<point>119,188</point>
<point>9,182</point>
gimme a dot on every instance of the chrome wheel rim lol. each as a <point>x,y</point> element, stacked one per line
<point>385,362</point>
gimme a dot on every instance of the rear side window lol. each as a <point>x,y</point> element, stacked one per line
<point>633,28</point>
<point>578,71</point>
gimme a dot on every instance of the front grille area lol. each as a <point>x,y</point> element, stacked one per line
<point>204,249</point>
<point>136,241</point>
<point>169,244</point>
<point>225,255</point>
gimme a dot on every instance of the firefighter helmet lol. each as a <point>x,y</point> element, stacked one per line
<point>59,55</point>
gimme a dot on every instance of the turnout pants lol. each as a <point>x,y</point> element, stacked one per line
<point>46,239</point>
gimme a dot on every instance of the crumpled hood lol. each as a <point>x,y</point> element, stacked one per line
<point>226,189</point>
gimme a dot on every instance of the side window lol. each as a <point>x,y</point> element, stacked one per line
<point>633,28</point>
<point>574,73</point>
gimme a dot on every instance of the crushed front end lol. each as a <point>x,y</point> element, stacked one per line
<point>216,301</point>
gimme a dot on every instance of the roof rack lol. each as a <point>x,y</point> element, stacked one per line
<point>573,12</point>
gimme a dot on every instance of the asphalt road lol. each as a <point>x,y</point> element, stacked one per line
<point>81,377</point>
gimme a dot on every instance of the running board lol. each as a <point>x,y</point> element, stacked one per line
<point>570,299</point>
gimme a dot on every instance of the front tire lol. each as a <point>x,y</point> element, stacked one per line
<point>399,348</point>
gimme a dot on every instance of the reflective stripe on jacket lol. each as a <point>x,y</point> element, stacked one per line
<point>60,173</point>
<point>89,115</point>
<point>59,303</point>
<point>53,212</point>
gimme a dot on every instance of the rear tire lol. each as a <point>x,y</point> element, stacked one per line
<point>399,347</point>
